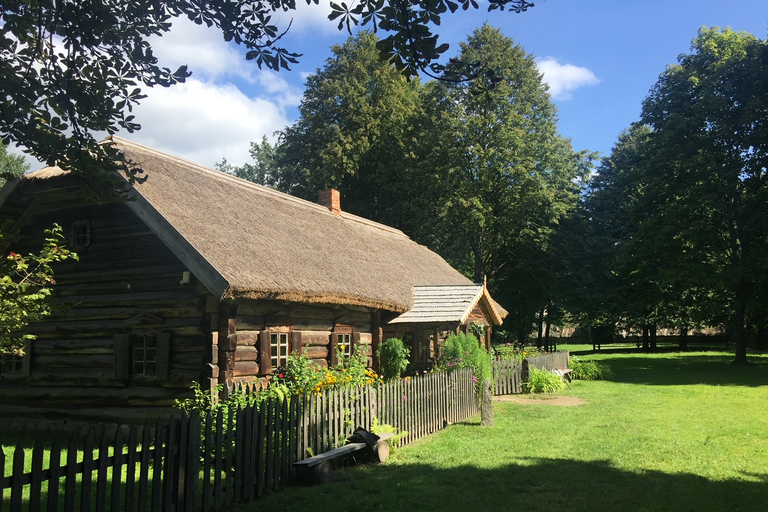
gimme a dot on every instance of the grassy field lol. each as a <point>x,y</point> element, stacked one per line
<point>670,431</point>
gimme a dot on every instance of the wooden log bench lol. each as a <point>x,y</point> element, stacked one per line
<point>564,373</point>
<point>319,469</point>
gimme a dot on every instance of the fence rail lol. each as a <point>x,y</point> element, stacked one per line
<point>205,463</point>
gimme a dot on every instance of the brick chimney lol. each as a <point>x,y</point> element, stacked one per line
<point>331,199</point>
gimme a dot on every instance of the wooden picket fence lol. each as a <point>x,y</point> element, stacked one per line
<point>153,467</point>
<point>203,464</point>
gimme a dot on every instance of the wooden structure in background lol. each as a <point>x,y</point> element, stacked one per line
<point>200,277</point>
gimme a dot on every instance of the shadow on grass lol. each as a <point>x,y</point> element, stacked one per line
<point>681,369</point>
<point>525,484</point>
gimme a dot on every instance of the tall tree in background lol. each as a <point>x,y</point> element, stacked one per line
<point>682,203</point>
<point>11,166</point>
<point>352,134</point>
<point>506,176</point>
<point>474,170</point>
<point>709,115</point>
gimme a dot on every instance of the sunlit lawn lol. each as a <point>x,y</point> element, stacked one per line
<point>669,432</point>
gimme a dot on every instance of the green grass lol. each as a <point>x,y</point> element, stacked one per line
<point>673,432</point>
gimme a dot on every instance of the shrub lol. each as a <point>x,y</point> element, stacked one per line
<point>394,356</point>
<point>542,381</point>
<point>378,428</point>
<point>464,351</point>
<point>588,370</point>
<point>517,350</point>
<point>301,376</point>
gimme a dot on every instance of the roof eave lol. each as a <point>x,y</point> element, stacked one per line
<point>208,275</point>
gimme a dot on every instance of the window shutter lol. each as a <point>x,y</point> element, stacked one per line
<point>356,343</point>
<point>265,353</point>
<point>26,361</point>
<point>296,342</point>
<point>332,348</point>
<point>163,354</point>
<point>122,356</point>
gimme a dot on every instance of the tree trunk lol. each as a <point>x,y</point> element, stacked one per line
<point>547,345</point>
<point>541,327</point>
<point>653,338</point>
<point>683,338</point>
<point>645,338</point>
<point>739,317</point>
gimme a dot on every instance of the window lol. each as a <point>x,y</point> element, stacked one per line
<point>275,344</point>
<point>80,236</point>
<point>144,355</point>
<point>279,345</point>
<point>344,343</point>
<point>12,365</point>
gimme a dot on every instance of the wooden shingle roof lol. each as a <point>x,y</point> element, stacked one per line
<point>449,303</point>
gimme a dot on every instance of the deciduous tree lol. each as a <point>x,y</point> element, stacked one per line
<point>75,68</point>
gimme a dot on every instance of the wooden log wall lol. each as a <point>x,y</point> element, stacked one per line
<point>310,328</point>
<point>126,281</point>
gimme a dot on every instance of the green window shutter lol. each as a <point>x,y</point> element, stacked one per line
<point>163,354</point>
<point>122,356</point>
<point>265,353</point>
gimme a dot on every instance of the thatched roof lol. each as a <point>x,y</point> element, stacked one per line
<point>247,241</point>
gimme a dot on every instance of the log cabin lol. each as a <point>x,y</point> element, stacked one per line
<point>198,276</point>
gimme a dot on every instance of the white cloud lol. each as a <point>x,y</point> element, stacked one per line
<point>564,78</point>
<point>204,122</point>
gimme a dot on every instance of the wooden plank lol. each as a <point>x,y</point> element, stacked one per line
<point>192,476</point>
<point>36,477</point>
<point>218,455</point>
<point>102,477</point>
<point>157,465</point>
<point>181,464</point>
<point>144,458</point>
<point>229,474</point>
<point>17,486</point>
<point>259,449</point>
<point>70,479</point>
<point>54,463</point>
<point>170,468</point>
<point>86,480</point>
<point>130,470</point>
<point>117,469</point>
<point>268,432</point>
<point>208,444</point>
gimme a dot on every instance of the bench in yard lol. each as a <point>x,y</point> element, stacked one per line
<point>318,469</point>
<point>564,373</point>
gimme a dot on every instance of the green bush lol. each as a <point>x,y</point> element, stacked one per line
<point>542,381</point>
<point>517,350</point>
<point>394,356</point>
<point>465,351</point>
<point>588,370</point>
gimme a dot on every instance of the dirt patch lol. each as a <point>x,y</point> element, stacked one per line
<point>563,401</point>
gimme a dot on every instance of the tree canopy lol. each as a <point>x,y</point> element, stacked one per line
<point>74,69</point>
<point>682,202</point>
<point>474,170</point>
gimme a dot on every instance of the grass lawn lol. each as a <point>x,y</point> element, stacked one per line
<point>670,431</point>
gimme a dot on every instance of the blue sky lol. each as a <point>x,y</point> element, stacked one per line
<point>600,58</point>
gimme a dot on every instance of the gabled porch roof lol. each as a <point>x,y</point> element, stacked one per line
<point>450,303</point>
